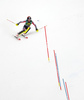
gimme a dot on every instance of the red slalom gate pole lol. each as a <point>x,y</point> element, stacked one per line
<point>46,43</point>
<point>67,90</point>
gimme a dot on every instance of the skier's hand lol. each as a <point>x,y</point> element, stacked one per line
<point>17,24</point>
<point>37,30</point>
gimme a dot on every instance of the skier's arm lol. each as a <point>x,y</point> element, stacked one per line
<point>35,26</point>
<point>20,22</point>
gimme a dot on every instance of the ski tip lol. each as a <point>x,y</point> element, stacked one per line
<point>19,39</point>
<point>26,37</point>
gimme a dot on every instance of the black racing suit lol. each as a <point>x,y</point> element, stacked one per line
<point>26,26</point>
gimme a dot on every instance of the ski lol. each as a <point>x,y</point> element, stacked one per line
<point>24,36</point>
<point>17,38</point>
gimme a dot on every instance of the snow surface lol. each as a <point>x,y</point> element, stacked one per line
<point>25,73</point>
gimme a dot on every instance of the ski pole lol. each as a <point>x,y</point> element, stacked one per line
<point>11,21</point>
<point>43,27</point>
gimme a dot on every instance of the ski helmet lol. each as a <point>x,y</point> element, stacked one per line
<point>28,17</point>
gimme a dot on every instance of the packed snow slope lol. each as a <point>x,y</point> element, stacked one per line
<point>25,72</point>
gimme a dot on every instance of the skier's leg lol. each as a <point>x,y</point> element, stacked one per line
<point>21,32</point>
<point>27,30</point>
<point>18,34</point>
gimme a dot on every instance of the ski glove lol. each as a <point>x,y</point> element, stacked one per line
<point>17,24</point>
<point>37,30</point>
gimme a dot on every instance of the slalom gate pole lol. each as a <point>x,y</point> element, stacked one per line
<point>65,89</point>
<point>10,21</point>
<point>58,73</point>
<point>59,83</point>
<point>46,43</point>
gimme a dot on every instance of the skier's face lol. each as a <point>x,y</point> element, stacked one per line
<point>29,20</point>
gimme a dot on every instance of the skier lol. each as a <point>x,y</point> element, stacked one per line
<point>26,27</point>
